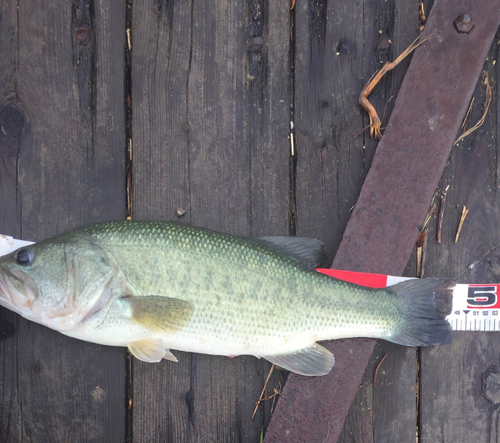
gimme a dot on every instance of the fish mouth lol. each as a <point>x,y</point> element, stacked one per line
<point>5,298</point>
<point>18,291</point>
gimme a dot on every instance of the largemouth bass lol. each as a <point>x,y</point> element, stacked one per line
<point>157,286</point>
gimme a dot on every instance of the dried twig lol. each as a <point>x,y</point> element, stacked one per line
<point>486,108</point>
<point>422,239</point>
<point>465,211</point>
<point>376,370</point>
<point>420,252</point>
<point>276,392</point>
<point>261,398</point>
<point>375,122</point>
<point>467,114</point>
<point>441,214</point>
<point>421,17</point>
<point>361,131</point>
<point>129,190</point>
<point>430,213</point>
<point>421,13</point>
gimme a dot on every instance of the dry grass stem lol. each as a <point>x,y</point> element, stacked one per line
<point>361,131</point>
<point>421,16</point>
<point>467,113</point>
<point>486,108</point>
<point>129,40</point>
<point>420,252</point>
<point>376,370</point>
<point>129,191</point>
<point>429,214</point>
<point>421,13</point>
<point>441,215</point>
<point>465,211</point>
<point>261,397</point>
<point>375,122</point>
<point>276,392</point>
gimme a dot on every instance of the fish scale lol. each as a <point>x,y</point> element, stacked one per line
<point>156,286</point>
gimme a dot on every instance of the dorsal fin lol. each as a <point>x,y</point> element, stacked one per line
<point>310,252</point>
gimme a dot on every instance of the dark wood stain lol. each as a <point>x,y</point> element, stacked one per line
<point>60,169</point>
<point>213,86</point>
<point>220,115</point>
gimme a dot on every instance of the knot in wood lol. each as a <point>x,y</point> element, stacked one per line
<point>255,44</point>
<point>6,329</point>
<point>12,121</point>
<point>82,35</point>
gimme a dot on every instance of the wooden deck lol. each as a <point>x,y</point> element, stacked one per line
<point>150,109</point>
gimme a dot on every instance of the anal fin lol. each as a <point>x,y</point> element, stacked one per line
<point>169,356</point>
<point>150,350</point>
<point>313,361</point>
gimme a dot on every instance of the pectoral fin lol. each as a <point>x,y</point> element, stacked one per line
<point>150,350</point>
<point>312,361</point>
<point>158,313</point>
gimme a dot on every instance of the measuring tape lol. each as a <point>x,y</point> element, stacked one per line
<point>475,307</point>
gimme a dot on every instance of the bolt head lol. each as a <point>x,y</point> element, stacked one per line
<point>490,385</point>
<point>464,24</point>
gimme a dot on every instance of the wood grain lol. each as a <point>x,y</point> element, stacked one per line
<point>328,72</point>
<point>61,149</point>
<point>458,382</point>
<point>388,30</point>
<point>338,47</point>
<point>210,132</point>
<point>213,87</point>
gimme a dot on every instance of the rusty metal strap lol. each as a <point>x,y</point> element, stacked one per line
<point>394,199</point>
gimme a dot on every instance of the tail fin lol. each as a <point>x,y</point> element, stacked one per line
<point>424,305</point>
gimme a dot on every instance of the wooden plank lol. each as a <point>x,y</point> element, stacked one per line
<point>334,51</point>
<point>332,163</point>
<point>385,412</point>
<point>12,125</point>
<point>210,131</point>
<point>328,73</point>
<point>459,383</point>
<point>61,149</point>
<point>377,414</point>
<point>365,245</point>
<point>12,121</point>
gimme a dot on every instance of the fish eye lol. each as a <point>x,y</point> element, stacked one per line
<point>24,256</point>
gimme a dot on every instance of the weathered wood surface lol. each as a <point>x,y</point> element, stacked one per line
<point>459,387</point>
<point>212,87</point>
<point>334,157</point>
<point>61,165</point>
<point>453,400</point>
<point>210,94</point>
